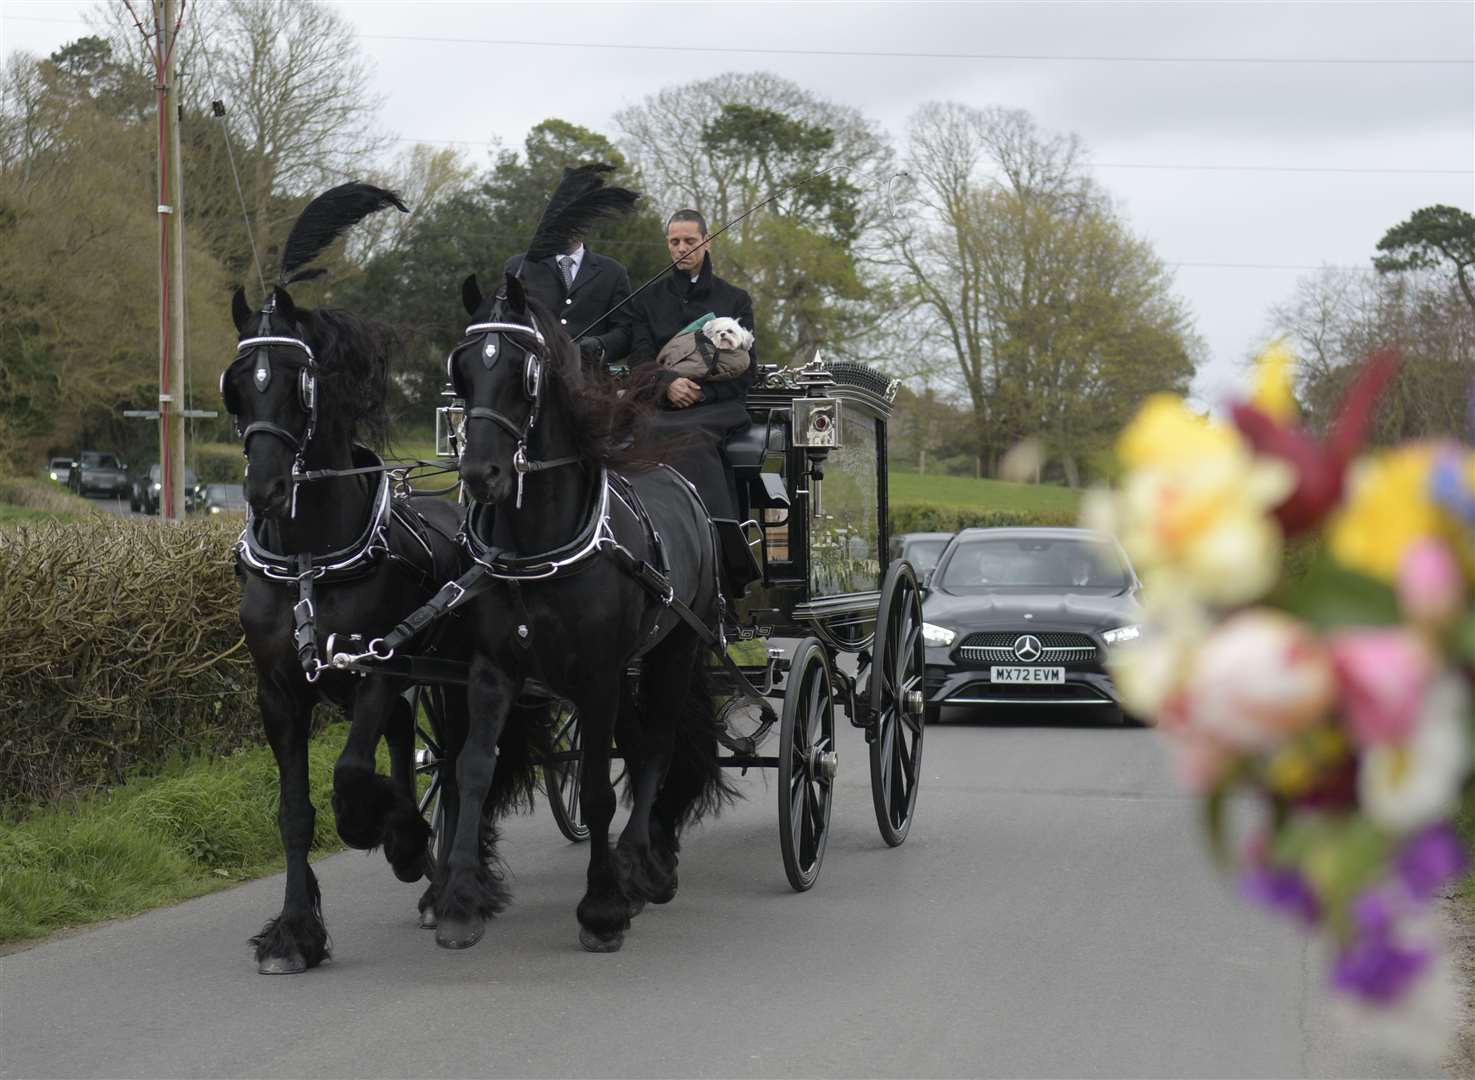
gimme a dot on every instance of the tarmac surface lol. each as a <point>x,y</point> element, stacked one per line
<point>1052,914</point>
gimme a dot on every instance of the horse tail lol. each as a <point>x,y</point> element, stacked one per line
<point>696,771</point>
<point>524,742</point>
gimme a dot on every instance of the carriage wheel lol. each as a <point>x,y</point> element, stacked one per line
<point>806,764</point>
<point>430,761</point>
<point>561,777</point>
<point>898,703</point>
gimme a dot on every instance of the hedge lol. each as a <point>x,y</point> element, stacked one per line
<point>121,647</point>
<point>924,517</point>
<point>218,463</point>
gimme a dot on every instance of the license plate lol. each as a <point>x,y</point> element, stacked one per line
<point>1027,674</point>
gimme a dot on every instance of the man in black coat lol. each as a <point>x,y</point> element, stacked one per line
<point>689,291</point>
<point>579,286</point>
<point>711,411</point>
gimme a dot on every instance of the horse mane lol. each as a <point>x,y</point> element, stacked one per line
<point>327,217</point>
<point>579,202</point>
<point>611,429</point>
<point>353,365</point>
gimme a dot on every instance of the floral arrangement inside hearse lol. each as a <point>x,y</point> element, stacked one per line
<point>1336,699</point>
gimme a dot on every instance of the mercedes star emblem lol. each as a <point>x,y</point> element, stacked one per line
<point>1027,648</point>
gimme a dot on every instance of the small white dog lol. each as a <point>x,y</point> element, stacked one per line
<point>728,333</point>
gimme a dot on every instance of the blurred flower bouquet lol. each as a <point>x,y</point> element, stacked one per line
<point>1338,698</point>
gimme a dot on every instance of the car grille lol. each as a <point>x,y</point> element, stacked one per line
<point>1057,647</point>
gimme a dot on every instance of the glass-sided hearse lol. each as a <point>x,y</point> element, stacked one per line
<point>811,480</point>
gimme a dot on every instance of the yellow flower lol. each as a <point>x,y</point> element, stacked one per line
<point>1388,509</point>
<point>1274,391</point>
<point>1193,510</point>
<point>1165,430</point>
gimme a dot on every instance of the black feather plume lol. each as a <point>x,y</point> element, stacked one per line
<point>578,203</point>
<point>328,216</point>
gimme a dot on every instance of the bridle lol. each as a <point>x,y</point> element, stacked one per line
<point>257,349</point>
<point>490,335</point>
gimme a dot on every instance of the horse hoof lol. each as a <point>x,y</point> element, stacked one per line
<point>637,906</point>
<point>592,942</point>
<point>412,872</point>
<point>282,965</point>
<point>454,934</point>
<point>427,919</point>
<point>665,897</point>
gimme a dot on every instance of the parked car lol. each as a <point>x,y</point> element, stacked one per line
<point>1020,618</point>
<point>144,497</point>
<point>98,473</point>
<point>60,469</point>
<point>224,499</point>
<point>920,549</point>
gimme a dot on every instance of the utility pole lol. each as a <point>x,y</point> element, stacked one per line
<point>171,264</point>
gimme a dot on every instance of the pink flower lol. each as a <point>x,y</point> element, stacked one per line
<point>1200,761</point>
<point>1430,587</point>
<point>1261,677</point>
<point>1383,675</point>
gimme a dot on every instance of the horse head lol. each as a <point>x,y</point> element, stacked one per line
<point>271,389</point>
<point>499,371</point>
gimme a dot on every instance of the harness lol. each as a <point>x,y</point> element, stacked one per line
<point>389,517</point>
<point>257,349</point>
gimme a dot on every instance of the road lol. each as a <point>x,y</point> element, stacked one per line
<point>1052,914</point>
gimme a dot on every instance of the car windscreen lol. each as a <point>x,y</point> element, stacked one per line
<point>100,461</point>
<point>225,492</point>
<point>922,554</point>
<point>1046,563</point>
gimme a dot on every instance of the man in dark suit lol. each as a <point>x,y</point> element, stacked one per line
<point>579,287</point>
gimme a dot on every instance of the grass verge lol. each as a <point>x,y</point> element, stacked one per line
<point>195,827</point>
<point>27,500</point>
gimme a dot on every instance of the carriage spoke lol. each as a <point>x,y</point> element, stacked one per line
<point>817,804</point>
<point>430,792</point>
<point>806,828</point>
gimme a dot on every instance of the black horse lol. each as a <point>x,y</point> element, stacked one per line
<point>330,549</point>
<point>568,510</point>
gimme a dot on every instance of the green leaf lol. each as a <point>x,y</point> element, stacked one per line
<point>1330,597</point>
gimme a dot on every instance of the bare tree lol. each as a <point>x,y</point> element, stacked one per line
<point>296,88</point>
<point>1058,318</point>
<point>1337,318</point>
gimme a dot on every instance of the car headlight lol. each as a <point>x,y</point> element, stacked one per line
<point>55,477</point>
<point>1121,634</point>
<point>156,487</point>
<point>214,509</point>
<point>939,637</point>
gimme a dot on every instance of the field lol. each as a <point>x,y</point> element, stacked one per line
<point>964,492</point>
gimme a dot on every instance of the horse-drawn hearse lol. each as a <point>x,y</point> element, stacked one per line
<point>811,479</point>
<point>574,611</point>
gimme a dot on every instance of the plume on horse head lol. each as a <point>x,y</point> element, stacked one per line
<point>580,201</point>
<point>326,218</point>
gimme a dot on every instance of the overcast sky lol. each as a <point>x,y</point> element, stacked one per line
<point>1235,233</point>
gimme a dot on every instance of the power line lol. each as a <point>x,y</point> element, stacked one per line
<point>1111,164</point>
<point>1267,266</point>
<point>897,55</point>
<point>1101,58</point>
<point>1281,168</point>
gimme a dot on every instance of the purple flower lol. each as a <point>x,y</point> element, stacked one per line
<point>1430,860</point>
<point>1283,890</point>
<point>1377,969</point>
<point>1448,488</point>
